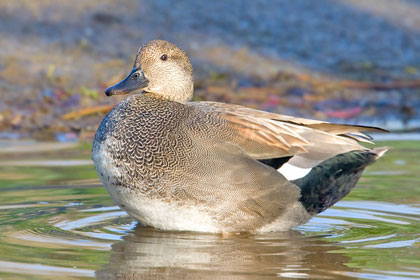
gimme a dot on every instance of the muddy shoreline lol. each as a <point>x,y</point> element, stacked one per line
<point>350,63</point>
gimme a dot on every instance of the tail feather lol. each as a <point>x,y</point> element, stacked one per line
<point>334,178</point>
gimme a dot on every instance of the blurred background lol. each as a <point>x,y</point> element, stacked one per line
<point>348,61</point>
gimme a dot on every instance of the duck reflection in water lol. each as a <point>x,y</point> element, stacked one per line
<point>150,253</point>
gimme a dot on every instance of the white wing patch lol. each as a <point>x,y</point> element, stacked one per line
<point>292,172</point>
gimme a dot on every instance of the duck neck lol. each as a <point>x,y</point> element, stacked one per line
<point>177,92</point>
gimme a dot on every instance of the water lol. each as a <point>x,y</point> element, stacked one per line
<point>56,221</point>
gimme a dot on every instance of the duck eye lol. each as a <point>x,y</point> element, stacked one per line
<point>135,76</point>
<point>164,57</point>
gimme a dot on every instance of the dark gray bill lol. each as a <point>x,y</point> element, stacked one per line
<point>135,80</point>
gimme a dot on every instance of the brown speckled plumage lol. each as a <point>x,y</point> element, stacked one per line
<point>159,149</point>
<point>163,155</point>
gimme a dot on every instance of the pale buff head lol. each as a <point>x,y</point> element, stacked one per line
<point>160,68</point>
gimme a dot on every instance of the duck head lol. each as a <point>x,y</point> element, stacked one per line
<point>162,69</point>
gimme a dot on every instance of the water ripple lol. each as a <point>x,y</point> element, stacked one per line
<point>59,222</point>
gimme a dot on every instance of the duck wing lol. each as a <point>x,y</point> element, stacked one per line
<point>239,192</point>
<point>264,135</point>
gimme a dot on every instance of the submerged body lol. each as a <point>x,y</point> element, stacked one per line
<point>211,167</point>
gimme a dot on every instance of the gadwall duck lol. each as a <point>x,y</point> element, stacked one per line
<point>174,164</point>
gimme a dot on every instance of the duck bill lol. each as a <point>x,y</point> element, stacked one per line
<point>135,80</point>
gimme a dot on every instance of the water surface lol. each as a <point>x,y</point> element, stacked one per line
<point>57,221</point>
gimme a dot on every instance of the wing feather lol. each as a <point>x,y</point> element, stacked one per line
<point>265,135</point>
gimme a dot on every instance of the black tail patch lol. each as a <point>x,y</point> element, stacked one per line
<point>333,179</point>
<point>275,163</point>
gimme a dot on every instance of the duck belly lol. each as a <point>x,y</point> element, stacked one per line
<point>159,213</point>
<point>294,216</point>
